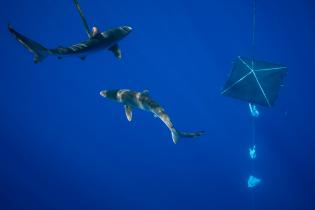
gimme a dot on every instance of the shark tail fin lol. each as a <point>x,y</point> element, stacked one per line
<point>37,49</point>
<point>179,134</point>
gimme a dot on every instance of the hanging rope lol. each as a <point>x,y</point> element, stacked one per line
<point>253,160</point>
<point>253,32</point>
<point>253,109</point>
<point>253,139</point>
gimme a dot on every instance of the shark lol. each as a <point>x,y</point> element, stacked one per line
<point>96,41</point>
<point>142,100</point>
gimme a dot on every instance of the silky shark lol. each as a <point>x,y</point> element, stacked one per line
<point>96,41</point>
<point>142,100</point>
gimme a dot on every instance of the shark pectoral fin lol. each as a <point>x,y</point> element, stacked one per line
<point>175,136</point>
<point>128,111</point>
<point>86,26</point>
<point>116,50</point>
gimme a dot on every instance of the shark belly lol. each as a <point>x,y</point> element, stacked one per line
<point>136,100</point>
<point>82,48</point>
<point>132,99</point>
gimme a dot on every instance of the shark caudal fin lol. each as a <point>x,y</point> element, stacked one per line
<point>37,49</point>
<point>179,134</point>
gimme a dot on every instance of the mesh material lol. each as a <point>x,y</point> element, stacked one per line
<point>257,82</point>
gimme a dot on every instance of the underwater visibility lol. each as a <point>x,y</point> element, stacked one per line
<point>64,147</point>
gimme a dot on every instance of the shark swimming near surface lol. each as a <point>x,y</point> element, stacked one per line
<point>142,100</point>
<point>97,41</point>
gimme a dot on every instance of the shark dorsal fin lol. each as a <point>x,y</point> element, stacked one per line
<point>128,112</point>
<point>146,93</point>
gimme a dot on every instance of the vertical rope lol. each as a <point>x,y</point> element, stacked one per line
<point>253,118</point>
<point>253,161</point>
<point>253,32</point>
<point>253,140</point>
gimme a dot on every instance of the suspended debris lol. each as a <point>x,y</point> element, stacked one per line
<point>253,182</point>
<point>252,152</point>
<point>256,82</point>
<point>253,110</point>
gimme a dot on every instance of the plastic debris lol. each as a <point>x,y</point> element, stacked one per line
<point>253,110</point>
<point>252,152</point>
<point>253,181</point>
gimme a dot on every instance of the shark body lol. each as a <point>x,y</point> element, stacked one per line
<point>96,41</point>
<point>142,100</point>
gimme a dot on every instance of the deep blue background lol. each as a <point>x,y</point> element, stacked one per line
<point>62,146</point>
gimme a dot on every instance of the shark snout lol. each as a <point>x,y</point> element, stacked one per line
<point>103,93</point>
<point>127,28</point>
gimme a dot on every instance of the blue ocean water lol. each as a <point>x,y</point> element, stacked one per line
<point>62,146</point>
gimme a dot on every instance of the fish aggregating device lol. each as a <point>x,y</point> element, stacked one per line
<point>257,83</point>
